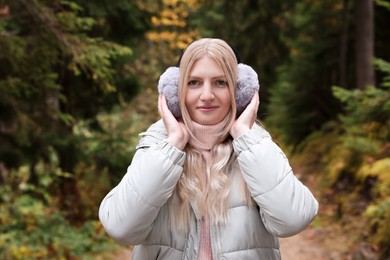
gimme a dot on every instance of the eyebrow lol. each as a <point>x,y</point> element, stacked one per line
<point>199,77</point>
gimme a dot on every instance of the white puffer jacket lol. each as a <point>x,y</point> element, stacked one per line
<point>135,211</point>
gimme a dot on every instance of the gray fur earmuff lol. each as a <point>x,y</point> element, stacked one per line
<point>247,85</point>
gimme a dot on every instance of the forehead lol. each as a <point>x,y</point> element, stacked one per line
<point>206,66</point>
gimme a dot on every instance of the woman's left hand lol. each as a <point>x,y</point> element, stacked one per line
<point>246,120</point>
<point>178,135</point>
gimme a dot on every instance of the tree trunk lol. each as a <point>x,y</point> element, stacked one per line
<point>344,44</point>
<point>364,43</point>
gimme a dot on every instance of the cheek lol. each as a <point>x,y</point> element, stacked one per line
<point>227,99</point>
<point>189,99</point>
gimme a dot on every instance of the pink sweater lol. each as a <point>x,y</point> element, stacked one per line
<point>206,139</point>
<point>205,252</point>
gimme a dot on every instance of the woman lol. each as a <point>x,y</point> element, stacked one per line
<point>207,182</point>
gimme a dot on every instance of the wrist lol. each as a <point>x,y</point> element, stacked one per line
<point>179,143</point>
<point>237,132</point>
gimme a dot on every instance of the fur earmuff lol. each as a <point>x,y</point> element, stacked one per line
<point>247,85</point>
<point>168,85</point>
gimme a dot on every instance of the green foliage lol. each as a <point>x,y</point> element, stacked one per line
<point>301,100</point>
<point>383,3</point>
<point>367,121</point>
<point>379,214</point>
<point>254,28</point>
<point>366,134</point>
<point>63,66</point>
<point>384,66</point>
<point>33,235</point>
<point>120,21</point>
<point>53,74</point>
<point>68,69</point>
<point>31,227</point>
<point>113,146</point>
<point>351,156</point>
<point>367,117</point>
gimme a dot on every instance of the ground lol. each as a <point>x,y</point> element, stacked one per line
<point>323,239</point>
<point>308,246</point>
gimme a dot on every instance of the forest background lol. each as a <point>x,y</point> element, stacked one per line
<point>78,83</point>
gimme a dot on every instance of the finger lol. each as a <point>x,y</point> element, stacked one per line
<point>164,107</point>
<point>160,105</point>
<point>165,113</point>
<point>253,108</point>
<point>254,104</point>
<point>257,100</point>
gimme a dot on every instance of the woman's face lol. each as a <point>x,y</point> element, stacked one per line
<point>207,98</point>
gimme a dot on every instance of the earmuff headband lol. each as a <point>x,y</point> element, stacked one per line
<point>247,84</point>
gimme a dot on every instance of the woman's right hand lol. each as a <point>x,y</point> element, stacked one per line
<point>178,135</point>
<point>246,120</point>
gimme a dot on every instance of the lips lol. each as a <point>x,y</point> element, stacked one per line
<point>207,108</point>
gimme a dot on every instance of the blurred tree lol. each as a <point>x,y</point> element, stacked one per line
<point>59,64</point>
<point>382,34</point>
<point>254,29</point>
<point>301,99</point>
<point>344,39</point>
<point>364,43</point>
<point>319,42</point>
<point>172,31</point>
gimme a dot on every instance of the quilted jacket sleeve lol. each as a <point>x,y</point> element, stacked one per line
<point>129,210</point>
<point>286,206</point>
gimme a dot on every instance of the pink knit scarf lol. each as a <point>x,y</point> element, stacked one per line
<point>206,137</point>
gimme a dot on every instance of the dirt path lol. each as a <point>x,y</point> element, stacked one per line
<point>324,239</point>
<point>307,245</point>
<point>302,247</point>
<point>319,241</point>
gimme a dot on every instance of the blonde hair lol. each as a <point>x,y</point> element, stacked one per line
<point>211,196</point>
<point>224,56</point>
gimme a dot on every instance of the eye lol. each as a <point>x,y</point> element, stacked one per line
<point>194,83</point>
<point>221,83</point>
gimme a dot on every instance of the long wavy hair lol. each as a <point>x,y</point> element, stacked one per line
<point>207,188</point>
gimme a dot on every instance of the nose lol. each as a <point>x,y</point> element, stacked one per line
<point>207,92</point>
